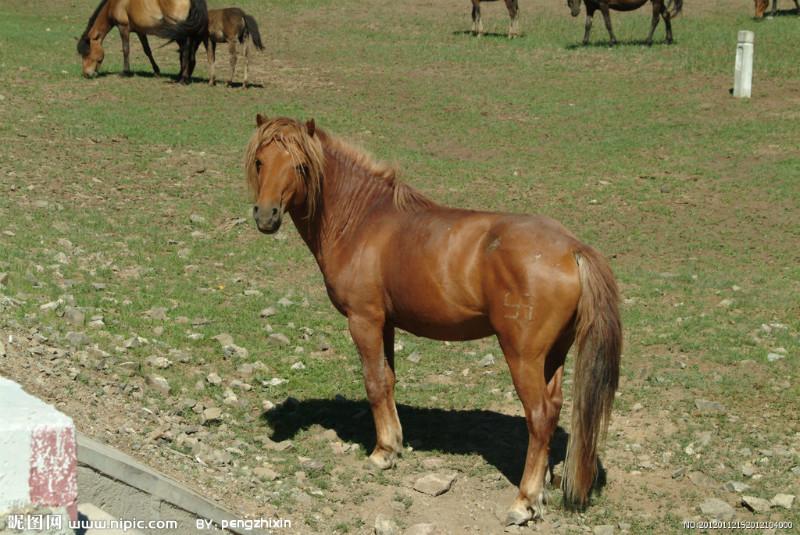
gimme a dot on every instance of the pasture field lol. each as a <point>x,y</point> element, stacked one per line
<point>124,198</point>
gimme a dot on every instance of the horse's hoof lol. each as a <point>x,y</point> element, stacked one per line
<point>382,460</point>
<point>517,517</point>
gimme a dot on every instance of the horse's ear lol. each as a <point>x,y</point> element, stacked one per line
<point>260,119</point>
<point>311,127</point>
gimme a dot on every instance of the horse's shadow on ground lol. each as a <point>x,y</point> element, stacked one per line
<point>173,78</point>
<point>502,440</point>
<point>491,35</point>
<point>622,43</point>
<point>781,13</point>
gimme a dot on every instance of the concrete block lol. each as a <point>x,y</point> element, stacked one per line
<point>38,453</point>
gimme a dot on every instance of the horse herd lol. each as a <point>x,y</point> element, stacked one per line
<point>190,23</point>
<point>393,258</point>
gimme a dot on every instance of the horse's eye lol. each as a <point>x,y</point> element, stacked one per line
<point>258,166</point>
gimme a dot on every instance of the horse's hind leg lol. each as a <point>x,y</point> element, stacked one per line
<point>234,56</point>
<point>246,62</point>
<point>513,13</point>
<point>477,24</point>
<point>658,9</point>
<point>607,20</point>
<point>211,52</point>
<point>375,343</point>
<point>774,7</point>
<point>668,23</point>
<point>149,53</point>
<point>535,357</point>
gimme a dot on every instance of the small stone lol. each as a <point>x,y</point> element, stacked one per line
<point>283,445</point>
<point>279,339</point>
<point>603,530</point>
<point>414,357</point>
<point>197,219</point>
<point>678,473</point>
<point>52,305</point>
<point>298,366</point>
<point>3,278</point>
<point>716,508</point>
<point>385,526</point>
<point>434,484</point>
<point>212,414</point>
<point>637,407</point>
<point>157,314</point>
<point>267,405</point>
<point>487,360</point>
<point>232,350</point>
<point>736,486</point>
<point>701,480</point>
<point>624,526</point>
<point>267,312</point>
<point>421,529</point>
<point>757,505</point>
<point>214,378</point>
<point>224,339</point>
<point>285,302</point>
<point>748,470</point>
<point>267,474</point>
<point>159,362</point>
<point>159,383</point>
<point>77,339</point>
<point>783,500</point>
<point>275,381</point>
<point>2,349</point>
<point>774,357</point>
<point>725,303</point>
<point>706,407</point>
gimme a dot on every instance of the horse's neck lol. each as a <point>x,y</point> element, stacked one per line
<point>102,23</point>
<point>348,193</point>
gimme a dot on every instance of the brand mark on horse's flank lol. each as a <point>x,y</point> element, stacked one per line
<point>518,311</point>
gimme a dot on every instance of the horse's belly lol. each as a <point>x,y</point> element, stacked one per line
<point>467,329</point>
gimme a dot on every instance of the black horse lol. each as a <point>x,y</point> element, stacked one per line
<point>513,12</point>
<point>660,9</point>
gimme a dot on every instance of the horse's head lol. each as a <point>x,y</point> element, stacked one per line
<point>91,50</point>
<point>575,7</point>
<point>283,167</point>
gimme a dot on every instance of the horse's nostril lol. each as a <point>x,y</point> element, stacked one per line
<point>274,212</point>
<point>255,211</point>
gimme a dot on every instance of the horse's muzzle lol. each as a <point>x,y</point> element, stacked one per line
<point>576,12</point>
<point>268,220</point>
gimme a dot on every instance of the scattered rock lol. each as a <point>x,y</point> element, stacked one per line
<point>283,445</point>
<point>783,500</point>
<point>414,357</point>
<point>701,480</point>
<point>748,470</point>
<point>232,350</point>
<point>157,314</point>
<point>197,219</point>
<point>159,383</point>
<point>298,366</point>
<point>385,526</point>
<point>707,407</point>
<point>285,302</point>
<point>757,505</point>
<point>159,362</point>
<point>736,486</point>
<point>3,279</point>
<point>434,484</point>
<point>678,473</point>
<point>487,360</point>
<point>267,474</point>
<point>421,529</point>
<point>725,303</point>
<point>214,378</point>
<point>637,407</point>
<point>77,340</point>
<point>212,414</point>
<point>279,339</point>
<point>224,339</point>
<point>774,357</point>
<point>267,312</point>
<point>716,508</point>
<point>603,530</point>
<point>275,381</point>
<point>2,349</point>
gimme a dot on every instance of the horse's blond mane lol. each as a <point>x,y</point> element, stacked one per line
<point>310,151</point>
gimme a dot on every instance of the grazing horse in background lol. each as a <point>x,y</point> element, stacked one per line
<point>513,13</point>
<point>230,25</point>
<point>761,7</point>
<point>392,258</point>
<point>183,21</point>
<point>660,10</point>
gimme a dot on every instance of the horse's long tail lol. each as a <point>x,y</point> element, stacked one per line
<point>675,6</point>
<point>251,27</point>
<point>194,25</point>
<point>598,338</point>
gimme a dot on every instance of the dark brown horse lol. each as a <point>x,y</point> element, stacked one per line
<point>660,10</point>
<point>392,258</point>
<point>183,21</point>
<point>233,26</point>
<point>513,13</point>
<point>761,7</point>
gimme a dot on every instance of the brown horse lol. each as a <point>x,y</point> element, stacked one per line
<point>183,21</point>
<point>513,13</point>
<point>392,258</point>
<point>761,7</point>
<point>660,10</point>
<point>233,26</point>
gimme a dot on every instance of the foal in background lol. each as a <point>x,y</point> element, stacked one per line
<point>513,13</point>
<point>233,26</point>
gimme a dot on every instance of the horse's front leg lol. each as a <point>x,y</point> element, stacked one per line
<point>607,20</point>
<point>375,342</point>
<point>513,13</point>
<point>477,25</point>
<point>588,26</point>
<point>658,8</point>
<point>125,35</point>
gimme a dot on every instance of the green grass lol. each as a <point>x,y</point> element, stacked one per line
<point>640,151</point>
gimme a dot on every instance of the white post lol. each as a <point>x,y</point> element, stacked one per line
<point>743,73</point>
